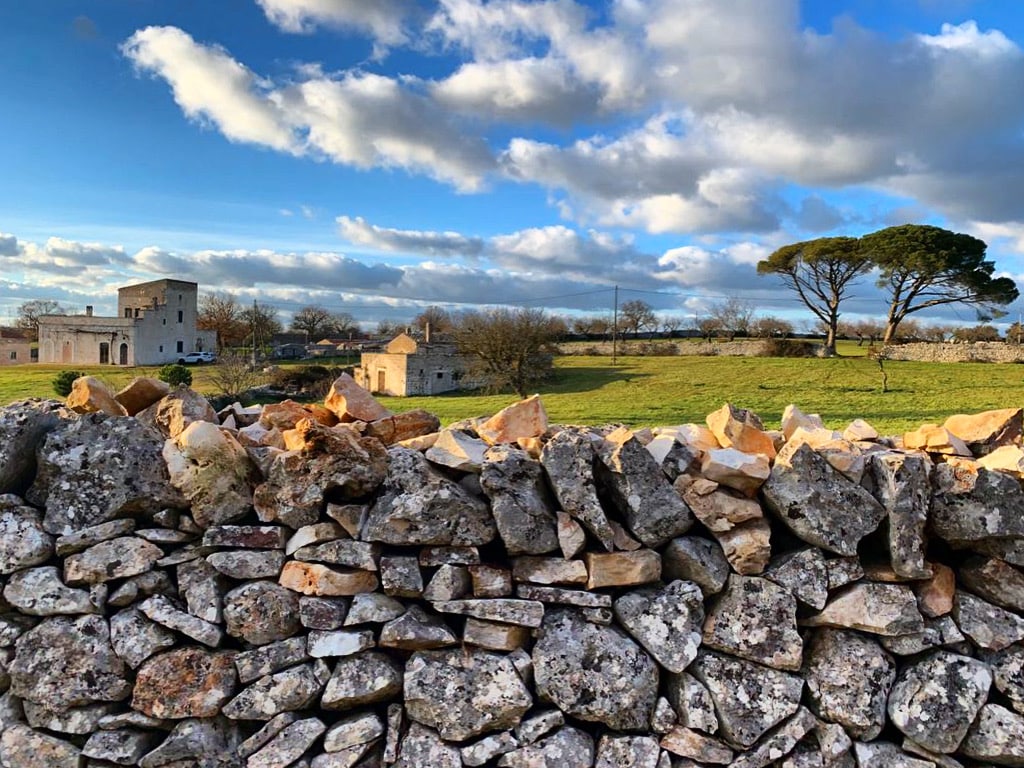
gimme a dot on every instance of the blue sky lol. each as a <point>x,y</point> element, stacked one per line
<point>379,157</point>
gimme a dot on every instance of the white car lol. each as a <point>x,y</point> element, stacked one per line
<point>197,357</point>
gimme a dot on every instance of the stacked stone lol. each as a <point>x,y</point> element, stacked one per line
<point>334,586</point>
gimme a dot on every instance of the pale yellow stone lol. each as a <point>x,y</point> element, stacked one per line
<point>90,395</point>
<point>1005,458</point>
<point>622,569</point>
<point>742,471</point>
<point>998,427</point>
<point>421,443</point>
<point>740,429</point>
<point>350,402</point>
<point>860,430</point>
<point>793,418</point>
<point>524,419</point>
<point>141,392</point>
<point>935,439</point>
<point>315,579</point>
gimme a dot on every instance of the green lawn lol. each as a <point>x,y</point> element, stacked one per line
<point>650,391</point>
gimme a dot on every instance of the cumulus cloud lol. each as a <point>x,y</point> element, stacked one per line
<point>433,244</point>
<point>383,20</point>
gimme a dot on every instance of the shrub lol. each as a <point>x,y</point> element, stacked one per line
<point>312,379</point>
<point>788,348</point>
<point>62,382</point>
<point>176,375</point>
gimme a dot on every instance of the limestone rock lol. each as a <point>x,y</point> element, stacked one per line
<point>213,472</point>
<point>172,414</point>
<point>935,596</point>
<point>740,429</point>
<point>314,579</point>
<point>270,658</point>
<point>67,662</point>
<point>458,450</point>
<point>935,700</point>
<point>987,431</point>
<point>526,613</point>
<point>1006,458</point>
<point>755,619</point>
<point>882,609</point>
<point>666,621</point>
<point>997,736</point>
<point>202,588</point>
<point>567,747</point>
<point>350,402</point>
<point>697,746</point>
<point>23,427</point>
<point>1008,673</point>
<point>739,470</point>
<point>90,395</point>
<point>520,501</point>
<point>289,745</point>
<point>594,673</point>
<point>695,559</point>
<point>860,431</point>
<point>988,626</point>
<point>97,468</point>
<point>361,728</point>
<point>849,677</point>
<point>419,506</point>
<point>804,573</point>
<point>260,612</point>
<point>524,419</point>
<point>995,580</point>
<point>692,703</point>
<point>793,419</point>
<point>463,694</point>
<point>23,542</point>
<point>135,638</point>
<point>331,643</point>
<point>354,554</point>
<point>935,439</point>
<point>183,683</point>
<point>24,747</point>
<point>365,678</point>
<point>422,746</point>
<point>820,505</point>
<point>140,393</point>
<point>780,741</point>
<point>972,507</point>
<point>373,607</point>
<point>286,414</point>
<point>404,428</point>
<point>113,559</point>
<point>904,489</point>
<point>749,698</point>
<point>163,611</point>
<point>747,546</point>
<point>332,460</point>
<point>568,459</point>
<point>40,592</point>
<point>642,495</point>
<point>195,742</point>
<point>622,569</point>
<point>124,746</point>
<point>289,691</point>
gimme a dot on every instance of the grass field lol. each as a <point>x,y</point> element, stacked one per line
<point>651,391</point>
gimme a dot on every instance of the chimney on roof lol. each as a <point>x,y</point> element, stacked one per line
<point>88,310</point>
<point>426,333</point>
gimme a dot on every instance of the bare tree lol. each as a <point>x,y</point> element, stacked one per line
<point>221,312</point>
<point>709,327</point>
<point>507,349</point>
<point>670,324</point>
<point>233,375</point>
<point>636,315</point>
<point>769,327</point>
<point>440,319</point>
<point>389,328</point>
<point>733,316</point>
<point>977,333</point>
<point>261,324</point>
<point>30,312</point>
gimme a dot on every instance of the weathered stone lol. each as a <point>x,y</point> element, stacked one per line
<point>449,582</point>
<point>463,694</point>
<point>520,501</point>
<point>97,468</point>
<point>417,506</point>
<point>65,662</point>
<point>843,571</point>
<point>308,536</point>
<point>667,621</point>
<point>183,683</point>
<point>494,636</point>
<point>163,611</point>
<point>594,673</point>
<point>77,721</point>
<point>735,469</point>
<point>289,745</point>
<point>641,494</point>
<point>860,430</point>
<point>793,419</point>
<point>24,747</point>
<point>284,415</point>
<point>416,630</point>
<point>352,731</point>
<point>135,638</point>
<point>114,559</point>
<point>330,461</point>
<point>172,414</point>
<point>524,419</point>
<point>421,746</point>
<point>288,691</point>
<point>996,736</point>
<point>366,678</point>
<point>212,471</point>
<point>804,573</point>
<point>988,626</point>
<point>261,612</point>
<point>935,596</point>
<point>140,393</point>
<point>973,507</point>
<point>202,588</point>
<point>373,608</point>
<point>883,609</point>
<point>749,698</point>
<point>527,613</point>
<point>324,613</point>
<point>848,679</point>
<point>568,747</point>
<point>23,542</point>
<point>1008,673</point>
<point>246,536</point>
<point>400,576</point>
<point>403,427</point>
<point>1007,458</point>
<point>935,439</point>
<point>559,596</point>
<point>193,742</point>
<point>457,449</point>
<point>40,592</point>
<point>490,581</point>
<point>995,580</point>
<point>354,554</point>
<point>270,658</point>
<point>549,570</point>
<point>248,564</point>
<point>740,429</point>
<point>488,748</point>
<point>755,619</point>
<point>23,427</point>
<point>87,537</point>
<point>572,539</point>
<point>350,402</point>
<point>935,700</point>
<point>903,487</point>
<point>627,752</point>
<point>125,746</point>
<point>326,644</point>
<point>315,579</point>
<point>568,459</point>
<point>820,505</point>
<point>778,743</point>
<point>622,569</point>
<point>692,703</point>
<point>692,558</point>
<point>90,395</point>
<point>986,431</point>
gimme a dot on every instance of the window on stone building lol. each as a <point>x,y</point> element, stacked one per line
<point>14,355</point>
<point>180,346</point>
<point>440,374</point>
<point>181,316</point>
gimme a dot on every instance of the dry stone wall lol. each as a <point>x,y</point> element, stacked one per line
<point>948,352</point>
<point>335,585</point>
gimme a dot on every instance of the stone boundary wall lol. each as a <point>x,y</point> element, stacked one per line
<point>946,352</point>
<point>740,348</point>
<point>335,586</point>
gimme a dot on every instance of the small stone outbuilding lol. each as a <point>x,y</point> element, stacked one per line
<point>410,366</point>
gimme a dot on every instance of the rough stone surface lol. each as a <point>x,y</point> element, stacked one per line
<point>666,621</point>
<point>23,427</point>
<point>114,559</point>
<point>350,402</point>
<point>903,487</point>
<point>997,736</point>
<point>594,673</point>
<point>172,414</point>
<point>23,541</point>
<point>288,691</point>
<point>40,592</point>
<point>989,626</point>
<point>883,609</point>
<point>183,683</point>
<point>520,501</point>
<point>366,678</point>
<point>568,459</point>
<point>261,612</point>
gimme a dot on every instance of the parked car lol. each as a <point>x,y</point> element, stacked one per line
<point>197,357</point>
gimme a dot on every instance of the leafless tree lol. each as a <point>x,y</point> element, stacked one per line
<point>636,316</point>
<point>30,312</point>
<point>233,375</point>
<point>733,316</point>
<point>221,312</point>
<point>769,326</point>
<point>440,319</point>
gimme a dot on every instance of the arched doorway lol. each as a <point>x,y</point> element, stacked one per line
<point>123,355</point>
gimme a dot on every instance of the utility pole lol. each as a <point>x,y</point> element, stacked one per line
<point>615,325</point>
<point>255,322</point>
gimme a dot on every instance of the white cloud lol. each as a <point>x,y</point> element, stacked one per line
<point>384,20</point>
<point>434,244</point>
<point>968,39</point>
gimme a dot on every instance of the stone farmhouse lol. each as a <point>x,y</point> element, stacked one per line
<point>15,349</point>
<point>155,325</point>
<point>408,366</point>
